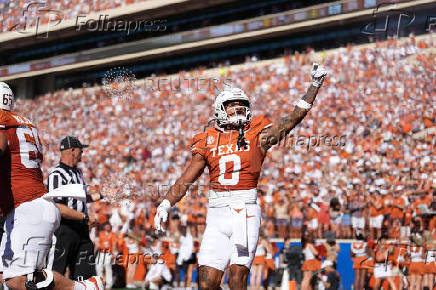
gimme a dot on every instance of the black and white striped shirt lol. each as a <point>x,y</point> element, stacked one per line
<point>62,175</point>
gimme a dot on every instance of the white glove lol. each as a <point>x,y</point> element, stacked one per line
<point>318,74</point>
<point>161,214</point>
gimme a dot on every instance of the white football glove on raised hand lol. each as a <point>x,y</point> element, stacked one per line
<point>318,74</point>
<point>161,214</point>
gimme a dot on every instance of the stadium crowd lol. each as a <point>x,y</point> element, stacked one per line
<point>362,163</point>
<point>19,12</point>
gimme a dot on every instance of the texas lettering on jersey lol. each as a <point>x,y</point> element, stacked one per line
<point>21,174</point>
<point>230,167</point>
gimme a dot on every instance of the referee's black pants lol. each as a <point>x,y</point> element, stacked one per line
<point>75,250</point>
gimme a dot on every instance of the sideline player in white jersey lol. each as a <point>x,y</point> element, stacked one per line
<point>31,216</point>
<point>233,151</point>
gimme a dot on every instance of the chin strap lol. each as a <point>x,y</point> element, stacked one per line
<point>241,139</point>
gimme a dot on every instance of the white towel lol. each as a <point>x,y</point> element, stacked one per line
<point>239,219</point>
<point>69,190</point>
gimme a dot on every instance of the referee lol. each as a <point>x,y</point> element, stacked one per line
<point>74,248</point>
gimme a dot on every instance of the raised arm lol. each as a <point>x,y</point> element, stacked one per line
<point>272,135</point>
<point>178,190</point>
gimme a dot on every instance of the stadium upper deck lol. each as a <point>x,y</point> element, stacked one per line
<point>73,24</point>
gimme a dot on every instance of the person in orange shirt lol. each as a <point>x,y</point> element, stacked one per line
<point>311,216</point>
<point>359,253</point>
<point>258,263</point>
<point>131,256</point>
<point>376,216</point>
<point>388,201</point>
<point>105,245</point>
<point>424,199</point>
<point>401,260</point>
<point>407,219</point>
<point>395,229</point>
<point>271,250</point>
<point>296,219</point>
<point>383,264</point>
<point>233,150</point>
<point>429,262</point>
<point>398,205</point>
<point>416,269</point>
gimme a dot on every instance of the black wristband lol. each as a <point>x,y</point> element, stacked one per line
<point>85,219</point>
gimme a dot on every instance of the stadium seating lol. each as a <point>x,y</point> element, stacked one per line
<point>372,106</point>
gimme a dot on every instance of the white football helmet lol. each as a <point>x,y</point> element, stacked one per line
<point>226,96</point>
<point>6,97</point>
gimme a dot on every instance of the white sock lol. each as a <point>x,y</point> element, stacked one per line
<point>4,286</point>
<point>79,285</point>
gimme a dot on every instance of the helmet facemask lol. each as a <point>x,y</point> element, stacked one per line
<point>238,114</point>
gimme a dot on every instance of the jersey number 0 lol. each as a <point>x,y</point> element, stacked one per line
<point>224,160</point>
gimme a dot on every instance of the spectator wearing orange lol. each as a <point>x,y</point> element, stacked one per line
<point>168,257</point>
<point>416,268</point>
<point>430,261</point>
<point>311,216</point>
<point>359,253</point>
<point>296,218</point>
<point>399,204</point>
<point>383,264</point>
<point>271,250</point>
<point>402,261</point>
<point>311,263</point>
<point>132,255</point>
<point>376,216</point>
<point>143,258</point>
<point>258,266</point>
<point>407,220</point>
<point>424,199</point>
<point>281,212</point>
<point>395,229</point>
<point>323,217</point>
<point>105,245</point>
<point>388,201</point>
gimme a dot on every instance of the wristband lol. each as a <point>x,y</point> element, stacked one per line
<point>303,104</point>
<point>86,219</point>
<point>165,204</point>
